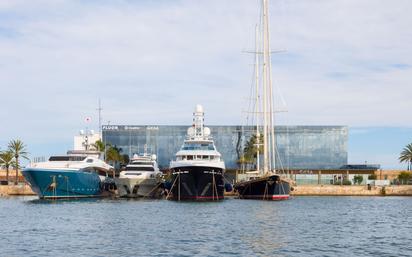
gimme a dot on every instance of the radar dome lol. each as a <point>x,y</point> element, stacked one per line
<point>191,131</point>
<point>199,108</point>
<point>154,157</point>
<point>206,131</point>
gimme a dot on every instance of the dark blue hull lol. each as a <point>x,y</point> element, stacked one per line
<point>50,183</point>
<point>197,184</point>
<point>265,188</point>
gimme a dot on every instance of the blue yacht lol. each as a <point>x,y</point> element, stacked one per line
<point>75,175</point>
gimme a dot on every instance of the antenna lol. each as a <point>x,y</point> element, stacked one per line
<point>100,117</point>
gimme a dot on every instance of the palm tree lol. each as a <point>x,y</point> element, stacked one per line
<point>251,148</point>
<point>99,146</point>
<point>6,160</point>
<point>406,155</point>
<point>18,149</point>
<point>113,155</point>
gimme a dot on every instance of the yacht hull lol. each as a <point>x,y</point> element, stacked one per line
<point>197,183</point>
<point>138,187</point>
<point>271,187</point>
<point>61,183</point>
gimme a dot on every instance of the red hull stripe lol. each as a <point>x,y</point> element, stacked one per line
<point>268,197</point>
<point>199,197</point>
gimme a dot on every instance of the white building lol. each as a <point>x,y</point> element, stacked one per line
<point>83,138</point>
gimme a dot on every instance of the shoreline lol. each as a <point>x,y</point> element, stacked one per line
<point>352,190</point>
<point>15,190</point>
<point>301,190</point>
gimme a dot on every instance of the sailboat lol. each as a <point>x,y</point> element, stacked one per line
<point>266,182</point>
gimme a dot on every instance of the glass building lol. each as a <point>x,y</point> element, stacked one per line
<point>300,147</point>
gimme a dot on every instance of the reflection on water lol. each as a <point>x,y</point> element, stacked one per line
<point>318,226</point>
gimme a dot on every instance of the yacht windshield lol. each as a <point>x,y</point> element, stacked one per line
<point>139,168</point>
<point>198,146</point>
<point>67,158</point>
<point>141,163</point>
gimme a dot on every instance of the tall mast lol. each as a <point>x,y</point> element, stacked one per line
<point>257,96</point>
<point>265,82</point>
<point>271,103</point>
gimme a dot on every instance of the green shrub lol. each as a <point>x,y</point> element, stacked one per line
<point>404,177</point>
<point>358,179</point>
<point>344,182</point>
<point>372,177</point>
<point>347,182</point>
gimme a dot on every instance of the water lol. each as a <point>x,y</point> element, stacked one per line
<point>303,226</point>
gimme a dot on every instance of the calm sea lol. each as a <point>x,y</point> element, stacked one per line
<point>303,226</point>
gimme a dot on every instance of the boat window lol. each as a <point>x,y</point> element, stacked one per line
<point>141,163</point>
<point>197,146</point>
<point>205,157</point>
<point>133,174</point>
<point>139,168</point>
<point>66,158</point>
<point>190,157</point>
<point>89,160</point>
<point>88,169</point>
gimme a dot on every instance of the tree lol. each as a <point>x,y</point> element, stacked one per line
<point>98,146</point>
<point>18,149</point>
<point>406,156</point>
<point>250,151</point>
<point>404,177</point>
<point>357,179</point>
<point>113,155</point>
<point>6,160</point>
<point>372,177</point>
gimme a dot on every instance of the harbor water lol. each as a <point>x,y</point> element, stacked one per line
<point>302,226</point>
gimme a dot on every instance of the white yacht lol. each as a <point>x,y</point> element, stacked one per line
<point>197,172</point>
<point>141,178</point>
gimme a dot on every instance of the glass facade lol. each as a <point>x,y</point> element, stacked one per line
<point>300,147</point>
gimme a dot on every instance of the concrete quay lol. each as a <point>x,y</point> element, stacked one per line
<point>336,190</point>
<point>15,190</point>
<point>300,190</point>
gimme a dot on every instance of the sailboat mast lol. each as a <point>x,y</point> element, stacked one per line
<point>257,96</point>
<point>271,101</point>
<point>265,87</point>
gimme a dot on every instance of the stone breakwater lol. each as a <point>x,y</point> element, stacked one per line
<point>21,189</point>
<point>333,190</point>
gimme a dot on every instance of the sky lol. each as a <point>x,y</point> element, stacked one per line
<point>343,62</point>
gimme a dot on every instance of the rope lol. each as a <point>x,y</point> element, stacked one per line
<point>217,193</point>
<point>178,193</point>
<point>214,188</point>
<point>151,191</point>
<point>266,191</point>
<point>171,189</point>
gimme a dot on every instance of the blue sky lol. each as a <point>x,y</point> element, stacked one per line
<point>378,145</point>
<point>346,62</point>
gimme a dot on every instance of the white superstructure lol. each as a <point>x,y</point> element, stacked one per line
<point>198,149</point>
